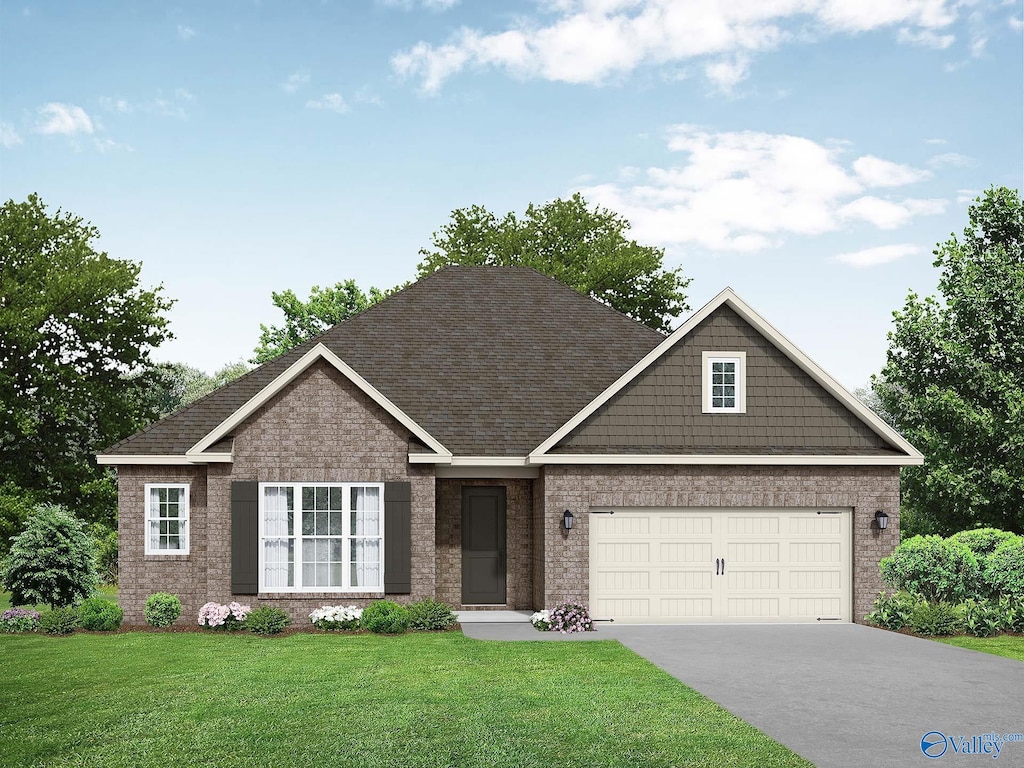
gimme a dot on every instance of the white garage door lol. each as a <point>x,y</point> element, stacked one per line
<point>666,566</point>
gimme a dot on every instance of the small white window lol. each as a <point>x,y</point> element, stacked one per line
<point>167,519</point>
<point>724,382</point>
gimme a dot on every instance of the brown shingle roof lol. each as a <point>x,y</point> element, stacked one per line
<point>489,360</point>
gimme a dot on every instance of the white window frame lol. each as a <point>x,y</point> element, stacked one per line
<point>296,535</point>
<point>184,510</point>
<point>740,359</point>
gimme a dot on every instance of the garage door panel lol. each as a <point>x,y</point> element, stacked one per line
<point>818,580</point>
<point>675,525</point>
<point>663,565</point>
<point>623,581</point>
<point>685,608</point>
<point>685,581</point>
<point>753,607</point>
<point>677,552</point>
<point>752,581</point>
<point>624,552</point>
<point>814,552</point>
<point>752,525</point>
<point>739,552</point>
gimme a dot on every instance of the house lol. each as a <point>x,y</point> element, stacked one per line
<point>441,444</point>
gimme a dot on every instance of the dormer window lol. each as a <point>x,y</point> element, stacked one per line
<point>724,382</point>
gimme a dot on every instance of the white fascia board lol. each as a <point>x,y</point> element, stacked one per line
<point>319,352</point>
<point>116,459</point>
<point>487,473</point>
<point>589,458</point>
<point>188,458</point>
<point>794,353</point>
<point>469,461</point>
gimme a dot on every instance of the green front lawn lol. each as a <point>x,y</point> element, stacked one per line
<point>1011,646</point>
<point>104,591</point>
<point>140,699</point>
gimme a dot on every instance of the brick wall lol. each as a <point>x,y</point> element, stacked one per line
<point>519,541</point>
<point>579,488</point>
<point>321,428</point>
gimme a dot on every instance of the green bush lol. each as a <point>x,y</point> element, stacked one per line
<point>935,619</point>
<point>982,541</point>
<point>430,615</point>
<point>104,542</point>
<point>51,561</point>
<point>384,617</point>
<point>933,568</point>
<point>99,615</point>
<point>162,609</point>
<point>267,621</point>
<point>984,618</point>
<point>892,611</point>
<point>1004,569</point>
<point>59,621</point>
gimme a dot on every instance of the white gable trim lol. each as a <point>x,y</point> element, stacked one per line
<point>319,352</point>
<point>728,296</point>
<point>749,459</point>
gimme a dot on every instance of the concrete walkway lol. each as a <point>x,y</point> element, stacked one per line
<point>842,696</point>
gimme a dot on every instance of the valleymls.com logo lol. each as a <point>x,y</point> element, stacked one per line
<point>935,744</point>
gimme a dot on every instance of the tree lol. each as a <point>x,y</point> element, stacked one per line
<point>305,319</point>
<point>181,384</point>
<point>954,377</point>
<point>587,249</point>
<point>76,333</point>
<point>51,561</point>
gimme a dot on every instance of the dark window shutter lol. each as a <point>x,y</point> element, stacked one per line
<point>245,577</point>
<point>398,538</point>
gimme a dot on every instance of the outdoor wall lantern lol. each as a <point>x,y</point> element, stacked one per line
<point>881,520</point>
<point>567,520</point>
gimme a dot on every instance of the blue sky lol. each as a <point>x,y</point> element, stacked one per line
<point>807,153</point>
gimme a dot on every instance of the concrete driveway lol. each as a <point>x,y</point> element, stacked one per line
<point>842,696</point>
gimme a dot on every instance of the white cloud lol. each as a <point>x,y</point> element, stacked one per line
<point>8,136</point>
<point>871,257</point>
<point>332,102</point>
<point>886,214</point>
<point>875,172</point>
<point>925,37</point>
<point>172,105</point>
<point>185,32</point>
<point>1016,24</point>
<point>935,141</point>
<point>590,41</point>
<point>365,95</point>
<point>748,191</point>
<point>109,145</point>
<point>964,196</point>
<point>64,119</point>
<point>296,80</point>
<point>115,105</point>
<point>430,5</point>
<point>954,159</point>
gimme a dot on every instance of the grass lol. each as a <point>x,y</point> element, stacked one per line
<point>142,699</point>
<point>104,591</point>
<point>1011,646</point>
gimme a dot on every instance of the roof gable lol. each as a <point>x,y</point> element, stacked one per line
<point>795,408</point>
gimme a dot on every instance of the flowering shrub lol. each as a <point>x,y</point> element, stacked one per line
<point>570,617</point>
<point>229,617</point>
<point>541,620</point>
<point>331,618</point>
<point>19,620</point>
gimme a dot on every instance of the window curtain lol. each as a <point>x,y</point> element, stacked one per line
<point>365,530</point>
<point>278,546</point>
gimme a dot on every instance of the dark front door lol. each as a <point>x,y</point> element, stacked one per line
<point>483,545</point>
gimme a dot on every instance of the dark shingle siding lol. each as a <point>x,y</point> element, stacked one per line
<point>488,360</point>
<point>787,411</point>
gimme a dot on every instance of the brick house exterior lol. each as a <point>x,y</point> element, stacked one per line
<point>388,434</point>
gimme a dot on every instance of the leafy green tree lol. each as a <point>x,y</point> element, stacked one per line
<point>954,377</point>
<point>76,333</point>
<point>585,248</point>
<point>181,384</point>
<point>51,561</point>
<point>305,319</point>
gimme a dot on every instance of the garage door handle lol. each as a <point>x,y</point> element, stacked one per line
<point>718,564</point>
<point>723,566</point>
